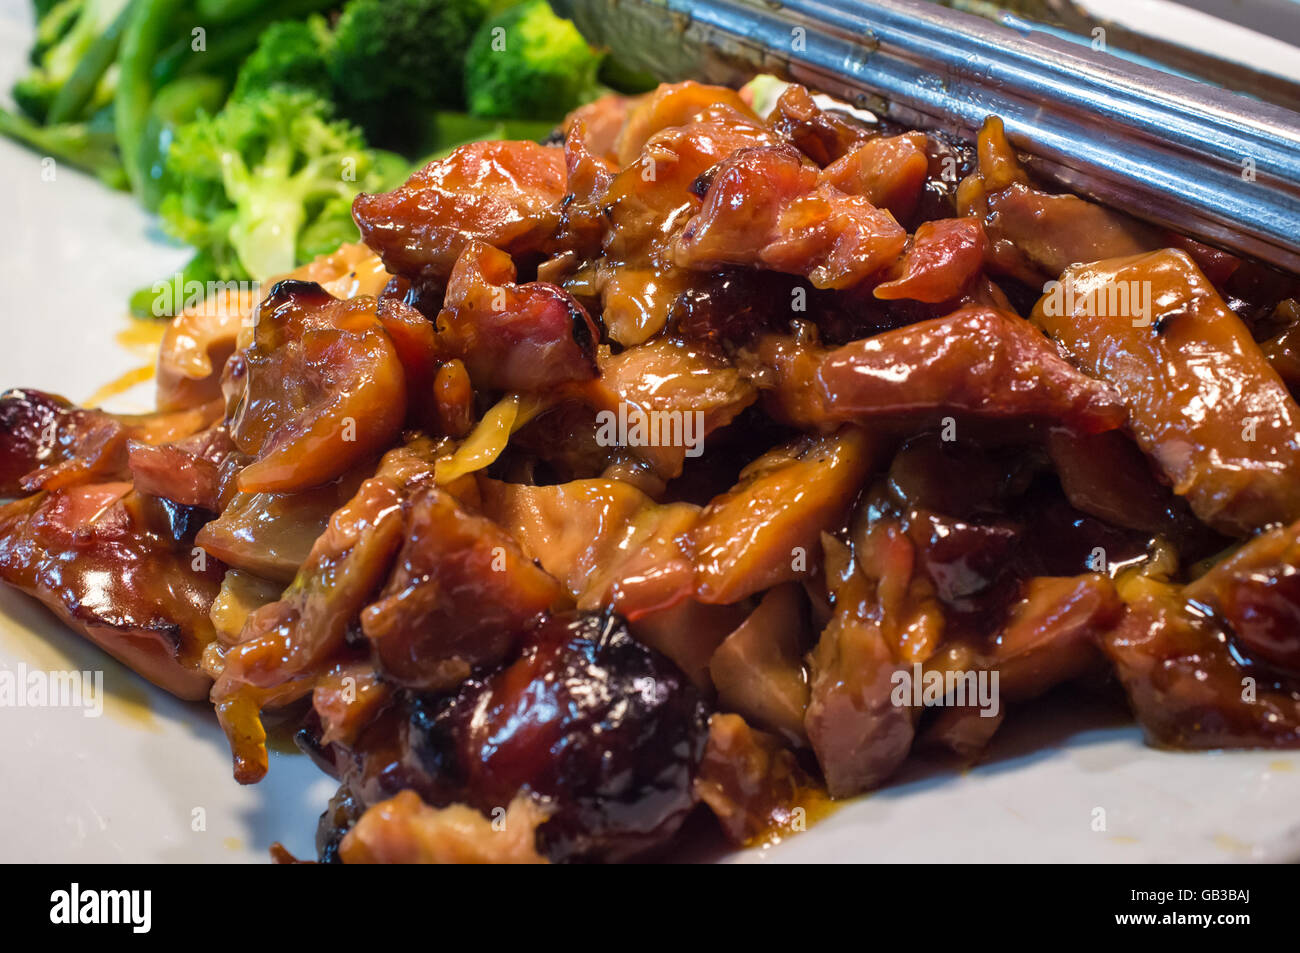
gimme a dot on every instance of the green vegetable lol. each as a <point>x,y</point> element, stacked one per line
<point>75,40</point>
<point>174,105</point>
<point>142,39</point>
<point>529,63</point>
<point>395,61</point>
<point>247,184</point>
<point>291,53</point>
<point>90,146</point>
<point>229,44</point>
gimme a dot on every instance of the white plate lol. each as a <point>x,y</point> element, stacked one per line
<point>134,784</point>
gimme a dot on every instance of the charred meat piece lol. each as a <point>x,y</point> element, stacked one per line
<point>768,207</point>
<point>198,341</point>
<point>461,596</point>
<point>604,729</point>
<point>1052,633</point>
<point>503,193</point>
<point>91,555</point>
<point>977,361</point>
<point>1203,402</point>
<point>646,206</point>
<point>322,389</point>
<point>513,337</point>
<point>47,443</point>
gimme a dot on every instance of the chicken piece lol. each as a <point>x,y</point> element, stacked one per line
<point>512,337</point>
<point>320,389</point>
<point>461,596</point>
<point>405,830</point>
<point>675,104</point>
<point>198,341</point>
<point>1051,634</point>
<point>823,135</point>
<point>942,262</point>
<point>90,555</point>
<point>754,785</point>
<point>613,547</point>
<point>348,698</point>
<point>288,644</point>
<point>582,219</point>
<point>199,470</point>
<point>977,361</point>
<point>47,443</point>
<point>965,730</point>
<point>888,171</point>
<point>1186,684</point>
<point>416,343</point>
<point>1106,475</point>
<point>1203,402</point>
<point>661,401</point>
<point>859,735</point>
<point>272,534</point>
<point>599,537</point>
<point>601,122</point>
<point>645,207</point>
<point>766,207</point>
<point>758,670</point>
<point>765,530</point>
<point>603,728</point>
<point>1034,236</point>
<point>506,194</point>
<point>1256,591</point>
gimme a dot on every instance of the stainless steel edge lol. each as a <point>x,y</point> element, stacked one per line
<point>1219,166</point>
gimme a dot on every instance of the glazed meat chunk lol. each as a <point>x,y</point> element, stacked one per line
<point>1203,402</point>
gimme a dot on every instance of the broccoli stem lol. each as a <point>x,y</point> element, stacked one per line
<point>77,144</point>
<point>141,41</point>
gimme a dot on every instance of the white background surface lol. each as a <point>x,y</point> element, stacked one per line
<point>125,787</point>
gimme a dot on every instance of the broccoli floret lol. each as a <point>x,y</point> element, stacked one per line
<point>394,61</point>
<point>291,53</point>
<point>74,38</point>
<point>246,184</point>
<point>530,64</point>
